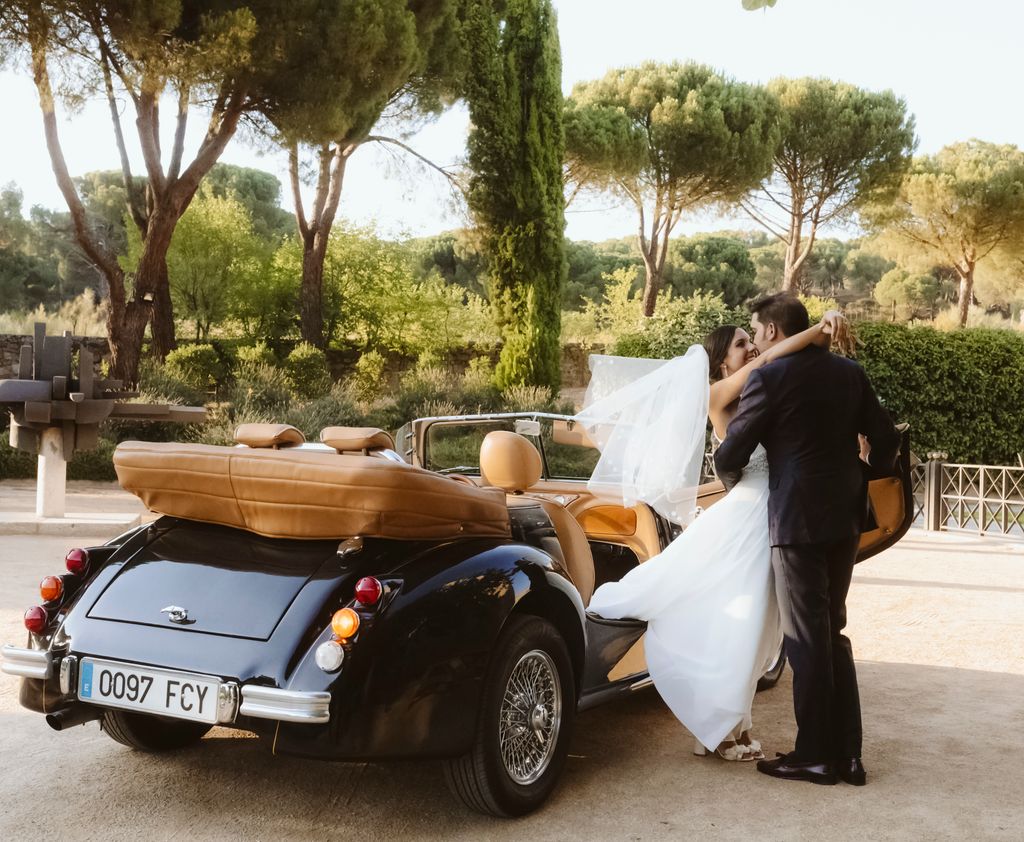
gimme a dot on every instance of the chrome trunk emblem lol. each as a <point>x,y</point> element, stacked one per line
<point>178,615</point>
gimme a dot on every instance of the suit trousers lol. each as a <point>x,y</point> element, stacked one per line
<point>812,581</point>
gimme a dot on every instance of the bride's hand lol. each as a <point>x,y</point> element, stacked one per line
<point>835,324</point>
<point>865,448</point>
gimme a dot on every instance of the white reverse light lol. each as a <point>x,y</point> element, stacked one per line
<point>329,656</point>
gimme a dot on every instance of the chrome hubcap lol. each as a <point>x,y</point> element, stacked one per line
<point>530,717</point>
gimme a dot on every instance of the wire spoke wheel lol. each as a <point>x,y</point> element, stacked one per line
<point>524,725</point>
<point>530,717</point>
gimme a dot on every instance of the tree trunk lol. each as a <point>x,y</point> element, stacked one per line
<point>966,293</point>
<point>793,271</point>
<point>124,332</point>
<point>162,323</point>
<point>653,282</point>
<point>316,234</point>
<point>152,289</point>
<point>311,313</point>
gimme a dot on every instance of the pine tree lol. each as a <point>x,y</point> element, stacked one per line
<point>516,150</point>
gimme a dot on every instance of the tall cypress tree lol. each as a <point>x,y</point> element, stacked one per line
<point>516,148</point>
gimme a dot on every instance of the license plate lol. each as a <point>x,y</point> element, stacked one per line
<point>165,692</point>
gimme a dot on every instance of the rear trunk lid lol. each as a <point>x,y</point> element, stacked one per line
<point>214,580</point>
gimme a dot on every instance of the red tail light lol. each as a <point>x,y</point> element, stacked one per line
<point>77,562</point>
<point>36,619</point>
<point>369,591</point>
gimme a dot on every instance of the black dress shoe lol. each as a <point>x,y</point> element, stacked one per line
<point>851,770</point>
<point>791,769</point>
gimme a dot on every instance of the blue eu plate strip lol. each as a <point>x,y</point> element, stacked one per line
<point>86,690</point>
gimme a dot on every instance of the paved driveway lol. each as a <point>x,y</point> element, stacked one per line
<point>938,628</point>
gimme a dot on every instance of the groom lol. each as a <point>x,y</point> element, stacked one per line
<point>807,409</point>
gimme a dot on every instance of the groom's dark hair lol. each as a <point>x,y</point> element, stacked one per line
<point>785,310</point>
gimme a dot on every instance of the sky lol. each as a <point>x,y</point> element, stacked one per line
<point>957,63</point>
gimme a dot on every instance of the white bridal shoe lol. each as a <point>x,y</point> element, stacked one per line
<point>738,752</point>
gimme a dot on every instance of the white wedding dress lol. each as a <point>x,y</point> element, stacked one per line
<point>709,597</point>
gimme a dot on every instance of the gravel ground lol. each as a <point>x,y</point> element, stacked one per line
<point>938,627</point>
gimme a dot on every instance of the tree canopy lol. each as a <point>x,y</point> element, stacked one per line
<point>956,208</point>
<point>839,147</point>
<point>711,264</point>
<point>668,138</point>
<point>314,67</point>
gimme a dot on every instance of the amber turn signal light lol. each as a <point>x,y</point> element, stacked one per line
<point>345,623</point>
<point>51,588</point>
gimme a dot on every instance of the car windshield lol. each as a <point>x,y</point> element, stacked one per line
<point>453,446</point>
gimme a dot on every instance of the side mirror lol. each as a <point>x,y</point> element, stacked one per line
<point>570,433</point>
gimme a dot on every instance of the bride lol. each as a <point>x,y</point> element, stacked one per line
<point>709,599</point>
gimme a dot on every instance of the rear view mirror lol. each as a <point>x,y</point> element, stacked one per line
<point>527,427</point>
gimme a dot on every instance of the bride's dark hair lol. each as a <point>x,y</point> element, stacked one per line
<point>717,345</point>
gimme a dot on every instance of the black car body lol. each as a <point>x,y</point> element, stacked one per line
<point>440,665</point>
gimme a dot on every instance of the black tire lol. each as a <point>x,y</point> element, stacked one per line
<point>774,672</point>
<point>151,733</point>
<point>482,779</point>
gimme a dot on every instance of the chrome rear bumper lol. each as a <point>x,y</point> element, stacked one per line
<point>28,663</point>
<point>257,701</point>
<point>285,705</point>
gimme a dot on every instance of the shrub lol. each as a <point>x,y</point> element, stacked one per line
<point>906,294</point>
<point>254,355</point>
<point>961,392</point>
<point>369,375</point>
<point>633,345</point>
<point>306,369</point>
<point>15,464</point>
<point>477,390</point>
<point>949,319</point>
<point>85,315</point>
<point>677,324</point>
<point>816,307</point>
<point>528,398</point>
<point>199,366</point>
<point>260,390</point>
<point>161,384</point>
<point>422,385</point>
<point>337,408</point>
<point>96,464</point>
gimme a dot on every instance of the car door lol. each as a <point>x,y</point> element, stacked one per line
<point>891,501</point>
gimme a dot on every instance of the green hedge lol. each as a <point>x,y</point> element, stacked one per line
<point>961,392</point>
<point>93,464</point>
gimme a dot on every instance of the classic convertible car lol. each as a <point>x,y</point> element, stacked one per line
<point>345,600</point>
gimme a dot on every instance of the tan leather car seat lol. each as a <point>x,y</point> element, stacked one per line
<point>509,462</point>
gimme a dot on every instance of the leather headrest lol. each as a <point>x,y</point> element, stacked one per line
<point>268,435</point>
<point>509,461</point>
<point>352,439</point>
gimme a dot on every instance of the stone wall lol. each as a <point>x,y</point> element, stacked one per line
<point>575,373</point>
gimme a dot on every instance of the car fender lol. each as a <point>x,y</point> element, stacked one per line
<point>412,681</point>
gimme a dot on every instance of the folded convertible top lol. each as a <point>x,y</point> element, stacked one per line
<point>304,494</point>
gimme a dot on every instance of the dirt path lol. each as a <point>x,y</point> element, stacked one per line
<point>938,628</point>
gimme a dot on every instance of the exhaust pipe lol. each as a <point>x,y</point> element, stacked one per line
<point>71,716</point>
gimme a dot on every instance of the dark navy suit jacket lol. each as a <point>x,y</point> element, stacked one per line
<point>807,409</point>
